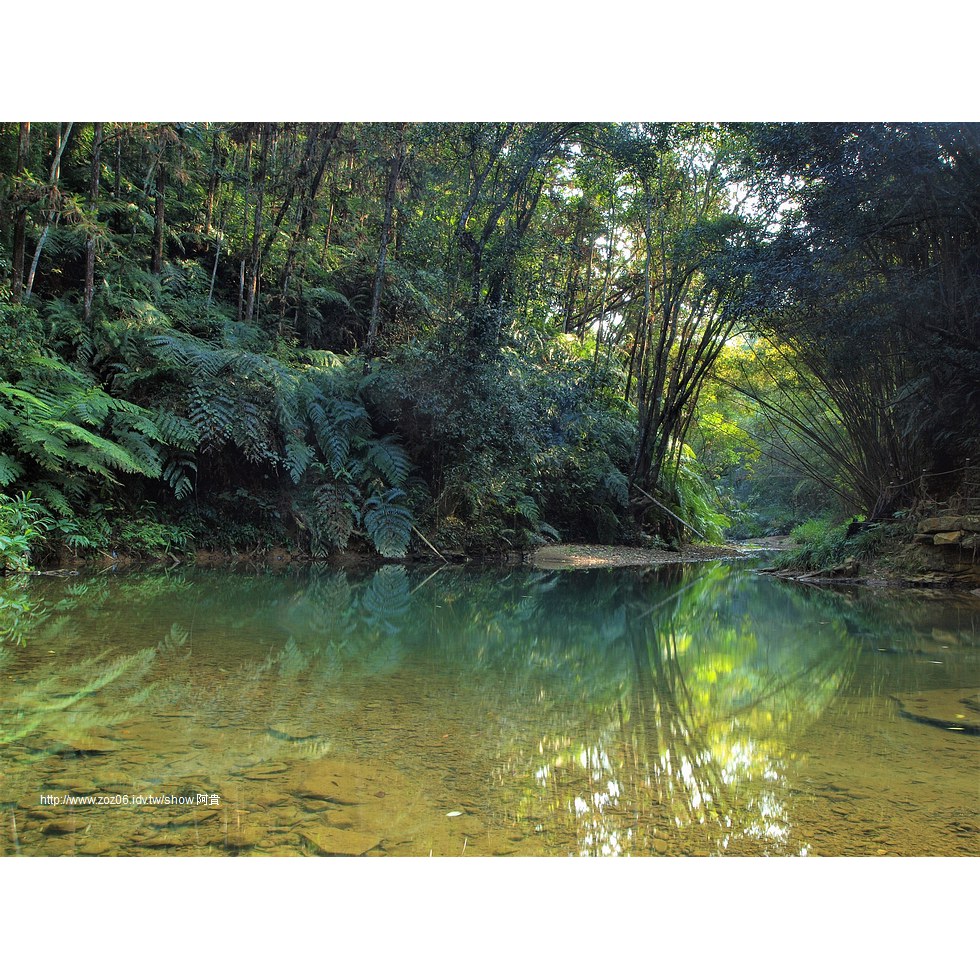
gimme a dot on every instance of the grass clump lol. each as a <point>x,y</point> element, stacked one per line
<point>823,545</point>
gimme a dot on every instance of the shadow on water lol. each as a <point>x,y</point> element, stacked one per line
<point>679,710</point>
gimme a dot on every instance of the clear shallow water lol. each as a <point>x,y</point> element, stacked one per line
<point>688,710</point>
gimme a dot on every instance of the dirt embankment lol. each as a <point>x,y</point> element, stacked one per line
<point>551,557</point>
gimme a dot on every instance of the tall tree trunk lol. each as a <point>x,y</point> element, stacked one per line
<point>307,204</point>
<point>611,246</point>
<point>117,176</point>
<point>393,174</point>
<point>90,238</point>
<point>255,260</point>
<point>644,327</point>
<point>587,289</point>
<point>241,290</point>
<point>20,218</point>
<point>159,217</point>
<point>213,178</point>
<point>61,140</point>
<point>214,269</point>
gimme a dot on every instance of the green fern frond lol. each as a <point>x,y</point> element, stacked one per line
<point>389,459</point>
<point>64,317</point>
<point>299,455</point>
<point>528,509</point>
<point>107,453</point>
<point>41,442</point>
<point>25,398</point>
<point>333,423</point>
<point>174,430</point>
<point>212,415</point>
<point>141,450</point>
<point>250,432</point>
<point>617,486</point>
<point>323,294</point>
<point>89,409</point>
<point>177,473</point>
<point>388,523</point>
<point>323,358</point>
<point>54,499</point>
<point>10,469</point>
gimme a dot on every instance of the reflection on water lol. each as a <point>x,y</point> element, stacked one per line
<point>688,710</point>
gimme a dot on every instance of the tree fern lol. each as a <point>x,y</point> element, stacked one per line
<point>63,318</point>
<point>301,415</point>
<point>212,414</point>
<point>389,523</point>
<point>333,422</point>
<point>140,449</point>
<point>323,294</point>
<point>250,431</point>
<point>56,422</point>
<point>329,514</point>
<point>616,485</point>
<point>323,358</point>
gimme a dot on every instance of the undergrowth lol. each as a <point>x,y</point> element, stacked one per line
<point>824,546</point>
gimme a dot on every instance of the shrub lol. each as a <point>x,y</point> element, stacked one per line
<point>22,520</point>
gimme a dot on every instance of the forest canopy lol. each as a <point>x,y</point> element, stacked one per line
<point>475,337</point>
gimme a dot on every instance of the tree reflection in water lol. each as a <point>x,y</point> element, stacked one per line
<point>720,683</point>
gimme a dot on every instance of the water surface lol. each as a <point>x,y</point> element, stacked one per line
<point>687,710</point>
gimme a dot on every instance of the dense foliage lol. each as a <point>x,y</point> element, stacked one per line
<point>475,337</point>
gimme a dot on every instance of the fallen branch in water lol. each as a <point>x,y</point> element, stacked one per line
<point>430,544</point>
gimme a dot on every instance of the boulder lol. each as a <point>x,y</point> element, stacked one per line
<point>336,781</point>
<point>332,841</point>
<point>933,524</point>
<point>58,828</point>
<point>947,538</point>
<point>241,838</point>
<point>966,522</point>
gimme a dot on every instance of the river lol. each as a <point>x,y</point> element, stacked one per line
<point>683,710</point>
